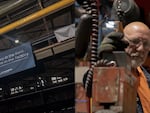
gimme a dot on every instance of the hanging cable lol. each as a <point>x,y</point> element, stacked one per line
<point>91,8</point>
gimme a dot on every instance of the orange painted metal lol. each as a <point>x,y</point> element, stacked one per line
<point>114,88</point>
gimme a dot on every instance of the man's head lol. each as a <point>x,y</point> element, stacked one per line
<point>138,36</point>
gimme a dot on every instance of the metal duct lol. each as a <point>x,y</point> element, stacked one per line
<point>12,4</point>
<point>37,15</point>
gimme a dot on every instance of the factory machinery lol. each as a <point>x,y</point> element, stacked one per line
<point>113,88</point>
<point>103,88</point>
<point>48,87</point>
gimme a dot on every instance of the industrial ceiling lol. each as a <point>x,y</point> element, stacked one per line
<point>32,20</point>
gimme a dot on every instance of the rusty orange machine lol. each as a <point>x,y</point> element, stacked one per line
<point>113,91</point>
<point>113,88</point>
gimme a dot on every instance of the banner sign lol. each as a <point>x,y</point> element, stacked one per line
<point>16,59</point>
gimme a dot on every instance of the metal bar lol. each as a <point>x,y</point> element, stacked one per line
<point>37,15</point>
<point>44,19</point>
<point>10,5</point>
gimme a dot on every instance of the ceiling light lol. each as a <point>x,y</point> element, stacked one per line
<point>16,41</point>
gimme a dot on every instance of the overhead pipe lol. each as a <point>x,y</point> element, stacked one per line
<point>9,6</point>
<point>37,15</point>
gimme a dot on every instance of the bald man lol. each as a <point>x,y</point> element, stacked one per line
<point>137,34</point>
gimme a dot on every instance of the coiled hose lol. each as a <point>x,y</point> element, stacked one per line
<point>91,7</point>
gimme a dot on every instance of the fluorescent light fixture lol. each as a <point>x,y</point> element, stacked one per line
<point>16,41</point>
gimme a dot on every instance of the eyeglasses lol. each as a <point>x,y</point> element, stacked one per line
<point>137,42</point>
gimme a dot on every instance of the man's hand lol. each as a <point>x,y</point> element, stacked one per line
<point>112,42</point>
